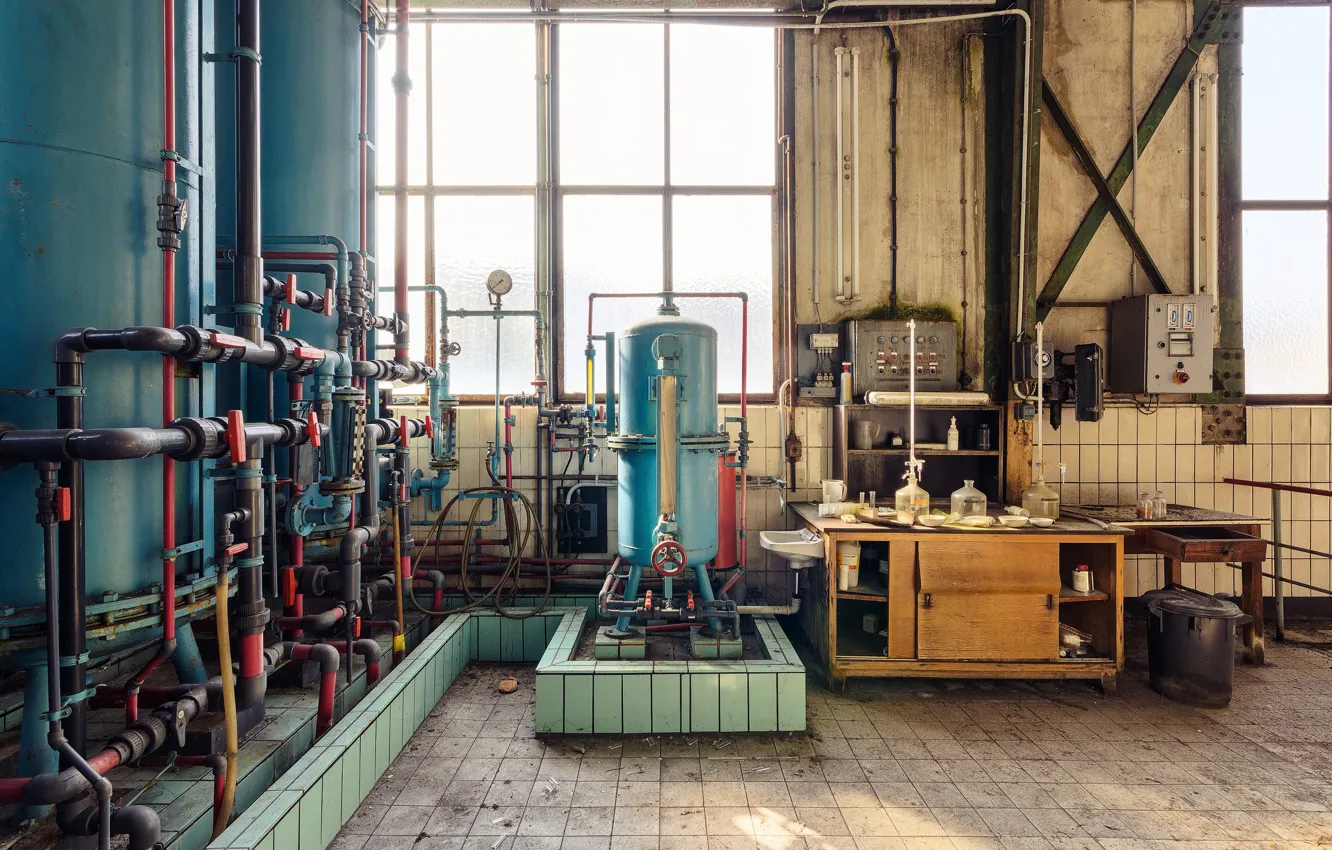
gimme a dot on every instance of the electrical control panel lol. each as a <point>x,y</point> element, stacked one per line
<point>1161,344</point>
<point>881,356</point>
<point>819,359</point>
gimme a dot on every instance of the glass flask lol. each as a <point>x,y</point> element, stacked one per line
<point>1146,506</point>
<point>968,501</point>
<point>912,498</point>
<point>1040,500</point>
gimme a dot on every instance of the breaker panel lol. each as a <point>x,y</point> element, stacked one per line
<point>1161,344</point>
<point>881,356</point>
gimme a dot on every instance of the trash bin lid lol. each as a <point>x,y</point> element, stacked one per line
<point>1177,599</point>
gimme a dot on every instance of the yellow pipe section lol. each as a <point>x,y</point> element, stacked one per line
<point>400,639</point>
<point>223,815</point>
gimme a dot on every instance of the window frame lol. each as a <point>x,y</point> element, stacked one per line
<point>1243,205</point>
<point>558,191</point>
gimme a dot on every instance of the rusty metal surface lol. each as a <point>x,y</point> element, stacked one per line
<point>1223,424</point>
<point>1175,515</point>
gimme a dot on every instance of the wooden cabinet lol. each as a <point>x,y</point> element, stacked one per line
<point>957,603</point>
<point>987,600</point>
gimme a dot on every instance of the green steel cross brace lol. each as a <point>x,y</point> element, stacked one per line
<point>183,549</point>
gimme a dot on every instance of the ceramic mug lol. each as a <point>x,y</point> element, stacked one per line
<point>833,491</point>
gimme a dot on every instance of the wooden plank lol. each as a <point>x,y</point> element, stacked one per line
<point>1005,626</point>
<point>901,600</point>
<point>1204,545</point>
<point>911,669</point>
<point>977,565</point>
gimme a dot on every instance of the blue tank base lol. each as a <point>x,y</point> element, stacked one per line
<point>630,592</point>
<point>187,660</point>
<point>35,755</point>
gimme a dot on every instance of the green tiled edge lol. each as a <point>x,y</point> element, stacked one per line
<point>306,807</point>
<point>716,695</point>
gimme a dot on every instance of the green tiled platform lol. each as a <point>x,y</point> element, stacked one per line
<point>631,697</point>
<point>307,805</point>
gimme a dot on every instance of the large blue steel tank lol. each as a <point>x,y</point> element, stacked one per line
<point>700,439</point>
<point>81,163</point>
<point>310,120</point>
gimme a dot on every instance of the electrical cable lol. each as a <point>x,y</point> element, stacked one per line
<point>512,566</point>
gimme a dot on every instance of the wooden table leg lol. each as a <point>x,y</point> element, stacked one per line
<point>1251,601</point>
<point>1174,571</point>
<point>1109,683</point>
<point>836,680</point>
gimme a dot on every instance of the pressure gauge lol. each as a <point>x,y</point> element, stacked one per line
<point>499,282</point>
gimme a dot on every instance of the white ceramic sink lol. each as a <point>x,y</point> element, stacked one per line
<point>799,548</point>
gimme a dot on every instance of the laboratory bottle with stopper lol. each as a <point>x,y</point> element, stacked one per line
<point>968,501</point>
<point>912,498</point>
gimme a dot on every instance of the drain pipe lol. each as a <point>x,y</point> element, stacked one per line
<point>248,279</point>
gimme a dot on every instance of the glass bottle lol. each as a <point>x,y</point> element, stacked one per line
<point>1146,506</point>
<point>968,501</point>
<point>912,498</point>
<point>1159,505</point>
<point>1040,500</point>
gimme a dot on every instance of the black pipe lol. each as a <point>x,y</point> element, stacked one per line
<point>185,439</point>
<point>72,568</point>
<point>893,55</point>
<point>249,274</point>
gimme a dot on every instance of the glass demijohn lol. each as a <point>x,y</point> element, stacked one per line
<point>1041,500</point>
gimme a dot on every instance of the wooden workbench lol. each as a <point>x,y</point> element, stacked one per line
<point>1203,536</point>
<point>967,603</point>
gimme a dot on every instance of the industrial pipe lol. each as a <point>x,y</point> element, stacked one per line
<point>249,273</point>
<point>328,660</point>
<point>369,651</point>
<point>402,87</point>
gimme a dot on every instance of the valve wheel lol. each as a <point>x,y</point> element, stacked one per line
<point>669,558</point>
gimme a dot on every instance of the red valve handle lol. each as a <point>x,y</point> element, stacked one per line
<point>669,558</point>
<point>356,628</point>
<point>429,426</point>
<point>308,352</point>
<point>328,301</point>
<point>289,586</point>
<point>236,435</point>
<point>402,430</point>
<point>312,428</point>
<point>647,601</point>
<point>290,295</point>
<point>236,548</point>
<point>222,340</point>
<point>286,318</point>
<point>62,504</point>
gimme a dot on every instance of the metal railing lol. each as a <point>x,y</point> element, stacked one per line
<point>1279,579</point>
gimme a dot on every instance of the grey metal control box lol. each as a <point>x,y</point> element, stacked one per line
<point>880,355</point>
<point>1161,344</point>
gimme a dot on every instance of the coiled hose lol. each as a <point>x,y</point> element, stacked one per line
<point>512,567</point>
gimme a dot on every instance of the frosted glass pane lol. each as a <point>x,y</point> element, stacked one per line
<point>384,229</point>
<point>724,244</point>
<point>723,102</point>
<point>612,113</point>
<point>386,110</point>
<point>474,236</point>
<point>1285,302</point>
<point>611,244</point>
<point>485,104</point>
<point>1285,98</point>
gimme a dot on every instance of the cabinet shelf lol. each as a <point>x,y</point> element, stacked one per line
<point>864,592</point>
<point>927,452</point>
<point>1068,594</point>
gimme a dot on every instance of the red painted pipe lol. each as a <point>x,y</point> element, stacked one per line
<point>11,790</point>
<point>251,656</point>
<point>508,447</point>
<point>725,511</point>
<point>400,207</point>
<point>328,681</point>
<point>296,391</point>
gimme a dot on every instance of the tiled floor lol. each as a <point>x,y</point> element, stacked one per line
<point>927,764</point>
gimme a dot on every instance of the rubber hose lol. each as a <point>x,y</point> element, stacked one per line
<point>511,570</point>
<point>399,641</point>
<point>223,816</point>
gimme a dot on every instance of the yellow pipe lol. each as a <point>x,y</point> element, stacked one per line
<point>223,815</point>
<point>400,639</point>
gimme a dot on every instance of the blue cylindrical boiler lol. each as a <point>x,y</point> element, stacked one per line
<point>698,443</point>
<point>81,162</point>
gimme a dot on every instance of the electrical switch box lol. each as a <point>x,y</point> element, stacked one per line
<point>881,358</point>
<point>818,360</point>
<point>1161,344</point>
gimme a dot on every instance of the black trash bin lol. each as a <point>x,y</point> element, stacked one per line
<point>1191,645</point>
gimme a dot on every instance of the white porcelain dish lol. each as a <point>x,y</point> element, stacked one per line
<point>1013,521</point>
<point>1042,521</point>
<point>932,520</point>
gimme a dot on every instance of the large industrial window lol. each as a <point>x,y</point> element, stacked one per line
<point>1286,200</point>
<point>667,167</point>
<point>664,177</point>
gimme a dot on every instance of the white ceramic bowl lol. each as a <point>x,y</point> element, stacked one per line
<point>932,520</point>
<point>1013,521</point>
<point>1042,521</point>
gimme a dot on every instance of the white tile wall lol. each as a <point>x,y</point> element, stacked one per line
<point>1129,451</point>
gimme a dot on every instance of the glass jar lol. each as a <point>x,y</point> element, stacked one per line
<point>1146,506</point>
<point>1159,505</point>
<point>912,499</point>
<point>1040,500</point>
<point>968,501</point>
